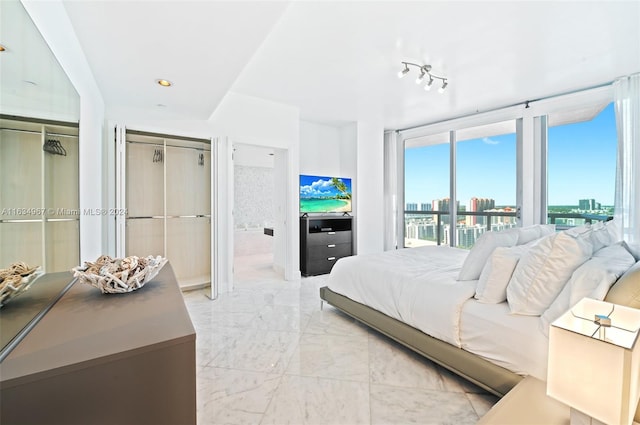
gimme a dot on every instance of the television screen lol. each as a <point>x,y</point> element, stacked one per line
<point>319,194</point>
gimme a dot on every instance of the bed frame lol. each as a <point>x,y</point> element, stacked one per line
<point>483,373</point>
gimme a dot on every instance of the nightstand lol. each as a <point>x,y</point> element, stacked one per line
<point>527,404</point>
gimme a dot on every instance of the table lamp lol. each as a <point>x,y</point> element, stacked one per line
<point>594,362</point>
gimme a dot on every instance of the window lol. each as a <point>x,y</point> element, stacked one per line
<point>426,189</point>
<point>485,180</point>
<point>581,164</point>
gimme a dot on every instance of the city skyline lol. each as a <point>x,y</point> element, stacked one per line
<point>587,204</point>
<point>581,165</point>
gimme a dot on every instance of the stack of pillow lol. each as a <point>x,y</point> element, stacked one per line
<point>541,272</point>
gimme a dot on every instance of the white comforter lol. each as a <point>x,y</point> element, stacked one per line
<point>416,286</point>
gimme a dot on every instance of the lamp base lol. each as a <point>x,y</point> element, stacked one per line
<point>579,418</point>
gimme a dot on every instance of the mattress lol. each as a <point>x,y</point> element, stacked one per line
<point>416,286</point>
<point>512,341</point>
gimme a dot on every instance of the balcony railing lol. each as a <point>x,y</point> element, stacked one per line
<point>439,218</point>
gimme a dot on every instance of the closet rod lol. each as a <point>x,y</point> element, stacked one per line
<point>40,121</point>
<point>168,136</point>
<point>173,146</point>
<point>168,216</point>
<point>38,132</point>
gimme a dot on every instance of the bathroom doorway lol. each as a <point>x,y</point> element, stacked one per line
<point>253,213</point>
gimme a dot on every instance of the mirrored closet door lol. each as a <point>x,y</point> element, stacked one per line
<point>168,202</point>
<point>39,203</point>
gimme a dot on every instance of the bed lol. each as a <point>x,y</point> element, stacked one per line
<point>414,297</point>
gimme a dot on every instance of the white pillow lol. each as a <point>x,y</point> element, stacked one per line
<point>604,234</point>
<point>479,254</point>
<point>546,229</point>
<point>537,231</point>
<point>528,234</point>
<point>592,279</point>
<point>544,269</point>
<point>495,276</point>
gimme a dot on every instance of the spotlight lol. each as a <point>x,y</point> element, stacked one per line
<point>420,78</point>
<point>444,86</point>
<point>404,71</point>
<point>427,87</point>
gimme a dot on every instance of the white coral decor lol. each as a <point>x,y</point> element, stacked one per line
<point>119,275</point>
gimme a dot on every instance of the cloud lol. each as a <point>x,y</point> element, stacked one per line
<point>489,141</point>
<point>318,188</point>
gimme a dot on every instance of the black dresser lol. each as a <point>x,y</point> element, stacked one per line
<point>324,240</point>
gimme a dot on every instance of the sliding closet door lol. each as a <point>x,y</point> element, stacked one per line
<point>21,237</point>
<point>61,198</point>
<point>144,228</point>
<point>39,221</point>
<point>168,201</point>
<point>188,194</point>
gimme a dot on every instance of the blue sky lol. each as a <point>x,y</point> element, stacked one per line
<point>319,186</point>
<point>581,165</point>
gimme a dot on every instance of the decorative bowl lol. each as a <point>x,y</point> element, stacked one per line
<point>15,280</point>
<point>119,275</point>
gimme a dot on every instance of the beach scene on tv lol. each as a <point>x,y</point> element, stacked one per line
<point>324,194</point>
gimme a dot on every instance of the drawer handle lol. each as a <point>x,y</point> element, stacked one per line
<point>331,258</point>
<point>331,245</point>
<point>331,233</point>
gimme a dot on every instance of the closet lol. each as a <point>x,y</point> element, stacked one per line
<point>168,202</point>
<point>39,202</point>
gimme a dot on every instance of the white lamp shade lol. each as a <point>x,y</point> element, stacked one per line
<point>595,376</point>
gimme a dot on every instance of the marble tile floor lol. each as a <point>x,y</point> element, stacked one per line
<point>267,354</point>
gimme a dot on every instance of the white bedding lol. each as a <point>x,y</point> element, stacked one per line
<point>417,286</point>
<point>512,341</point>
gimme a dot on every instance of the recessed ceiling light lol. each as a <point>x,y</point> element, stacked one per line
<point>2,48</point>
<point>164,83</point>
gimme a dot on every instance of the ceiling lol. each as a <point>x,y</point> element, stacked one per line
<point>338,61</point>
<point>32,82</point>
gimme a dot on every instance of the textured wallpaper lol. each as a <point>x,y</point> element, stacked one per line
<point>253,197</point>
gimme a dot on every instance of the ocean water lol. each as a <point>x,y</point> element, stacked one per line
<point>321,205</point>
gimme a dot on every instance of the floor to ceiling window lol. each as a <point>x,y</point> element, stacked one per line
<point>426,189</point>
<point>485,189</point>
<point>485,180</point>
<point>581,164</point>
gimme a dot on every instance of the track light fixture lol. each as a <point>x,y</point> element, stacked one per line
<point>424,71</point>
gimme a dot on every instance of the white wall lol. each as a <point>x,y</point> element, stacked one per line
<point>51,19</point>
<point>370,187</point>
<point>356,151</point>
<point>320,150</point>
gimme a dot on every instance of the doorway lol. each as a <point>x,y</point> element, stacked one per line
<point>254,213</point>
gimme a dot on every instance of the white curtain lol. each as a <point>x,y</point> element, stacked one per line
<point>390,191</point>
<point>627,198</point>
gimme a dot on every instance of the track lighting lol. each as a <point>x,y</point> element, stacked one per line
<point>404,71</point>
<point>424,71</point>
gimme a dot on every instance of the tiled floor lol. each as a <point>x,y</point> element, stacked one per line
<point>267,354</point>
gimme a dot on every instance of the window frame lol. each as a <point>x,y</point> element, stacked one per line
<point>531,119</point>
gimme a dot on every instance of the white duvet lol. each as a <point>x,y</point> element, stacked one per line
<point>418,286</point>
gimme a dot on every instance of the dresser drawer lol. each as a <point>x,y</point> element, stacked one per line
<point>320,266</point>
<point>328,238</point>
<point>329,251</point>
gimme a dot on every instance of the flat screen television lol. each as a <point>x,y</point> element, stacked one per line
<point>322,194</point>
